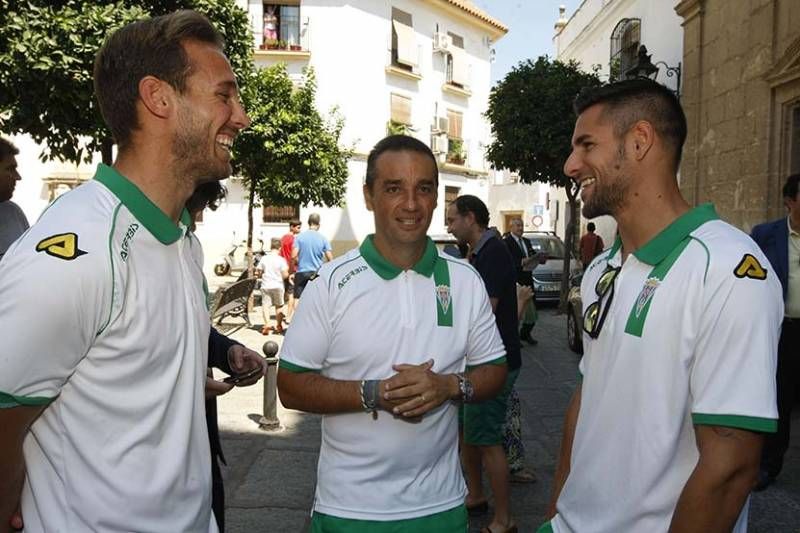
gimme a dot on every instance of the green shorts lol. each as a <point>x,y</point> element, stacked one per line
<point>452,521</point>
<point>482,422</point>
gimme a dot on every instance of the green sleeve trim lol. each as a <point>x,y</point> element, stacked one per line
<point>752,423</point>
<point>545,528</point>
<point>291,367</point>
<point>497,362</point>
<point>9,400</point>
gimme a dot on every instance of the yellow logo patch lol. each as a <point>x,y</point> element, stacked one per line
<point>749,267</point>
<point>63,246</point>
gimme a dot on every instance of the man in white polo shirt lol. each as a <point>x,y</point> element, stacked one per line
<point>680,325</point>
<point>388,338</point>
<point>105,327</point>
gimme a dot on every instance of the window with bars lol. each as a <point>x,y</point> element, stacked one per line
<point>625,40</point>
<point>279,213</point>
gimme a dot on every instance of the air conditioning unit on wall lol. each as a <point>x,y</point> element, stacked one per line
<point>439,144</point>
<point>440,124</point>
<point>441,42</point>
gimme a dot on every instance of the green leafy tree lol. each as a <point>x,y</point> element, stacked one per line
<point>47,50</point>
<point>290,154</point>
<point>530,111</point>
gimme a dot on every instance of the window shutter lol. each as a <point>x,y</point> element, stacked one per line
<point>406,40</point>
<point>401,109</point>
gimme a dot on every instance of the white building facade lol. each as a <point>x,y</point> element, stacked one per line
<point>606,34</point>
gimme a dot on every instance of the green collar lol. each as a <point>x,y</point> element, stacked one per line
<point>662,244</point>
<point>387,270</point>
<point>160,225</point>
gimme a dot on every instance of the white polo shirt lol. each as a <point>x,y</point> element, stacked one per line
<point>359,317</point>
<point>690,339</point>
<point>104,321</point>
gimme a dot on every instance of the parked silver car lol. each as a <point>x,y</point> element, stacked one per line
<point>547,276</point>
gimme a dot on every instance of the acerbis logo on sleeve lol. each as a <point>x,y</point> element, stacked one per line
<point>63,246</point>
<point>749,267</point>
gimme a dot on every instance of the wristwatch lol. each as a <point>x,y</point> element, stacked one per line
<point>465,387</point>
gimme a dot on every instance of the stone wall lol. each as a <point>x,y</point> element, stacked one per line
<point>731,51</point>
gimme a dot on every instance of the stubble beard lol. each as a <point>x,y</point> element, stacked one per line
<point>607,198</point>
<point>192,162</point>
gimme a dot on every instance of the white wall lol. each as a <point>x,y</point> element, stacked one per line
<point>587,39</point>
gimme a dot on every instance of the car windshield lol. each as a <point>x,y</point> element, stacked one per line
<point>554,248</point>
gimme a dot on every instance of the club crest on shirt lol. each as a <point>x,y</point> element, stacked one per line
<point>650,286</point>
<point>443,295</point>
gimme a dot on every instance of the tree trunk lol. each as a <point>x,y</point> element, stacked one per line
<point>569,247</point>
<point>106,146</point>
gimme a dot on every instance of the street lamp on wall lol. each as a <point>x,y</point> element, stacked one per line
<point>644,68</point>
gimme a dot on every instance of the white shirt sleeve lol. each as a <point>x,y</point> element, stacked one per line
<point>484,343</point>
<point>733,372</point>
<point>308,339</point>
<point>52,309</point>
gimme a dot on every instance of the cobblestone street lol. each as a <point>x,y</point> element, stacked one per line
<point>270,475</point>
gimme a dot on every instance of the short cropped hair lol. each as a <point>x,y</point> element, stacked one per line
<point>275,244</point>
<point>590,226</point>
<point>791,185</point>
<point>7,148</point>
<point>294,223</point>
<point>148,47</point>
<point>629,101</point>
<point>398,143</point>
<point>313,219</point>
<point>467,203</point>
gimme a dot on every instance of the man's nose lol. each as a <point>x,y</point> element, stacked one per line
<point>571,166</point>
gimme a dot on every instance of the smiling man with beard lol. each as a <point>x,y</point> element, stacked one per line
<point>105,326</point>
<point>681,317</point>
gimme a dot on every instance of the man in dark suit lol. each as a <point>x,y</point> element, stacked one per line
<point>525,260</point>
<point>780,242</point>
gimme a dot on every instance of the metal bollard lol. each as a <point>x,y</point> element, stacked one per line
<point>269,421</point>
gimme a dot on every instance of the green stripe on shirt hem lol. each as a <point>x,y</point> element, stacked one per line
<point>9,400</point>
<point>497,362</point>
<point>545,528</point>
<point>752,423</point>
<point>291,367</point>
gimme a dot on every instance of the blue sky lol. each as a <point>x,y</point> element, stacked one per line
<point>530,29</point>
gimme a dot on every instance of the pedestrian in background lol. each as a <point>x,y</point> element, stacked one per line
<point>681,319</point>
<point>310,250</point>
<point>287,244</point>
<point>12,220</point>
<point>274,271</point>
<point>780,242</point>
<point>483,423</point>
<point>591,245</point>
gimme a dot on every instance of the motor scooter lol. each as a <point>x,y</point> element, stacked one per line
<point>235,260</point>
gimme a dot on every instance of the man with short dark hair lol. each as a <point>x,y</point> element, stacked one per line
<point>389,338</point>
<point>309,251</point>
<point>591,245</point>
<point>482,432</point>
<point>780,242</point>
<point>287,245</point>
<point>12,220</point>
<point>681,318</point>
<point>102,387</point>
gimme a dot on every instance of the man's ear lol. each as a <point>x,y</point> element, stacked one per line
<point>642,137</point>
<point>367,197</point>
<point>157,96</point>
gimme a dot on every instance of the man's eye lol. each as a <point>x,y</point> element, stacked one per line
<point>392,189</point>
